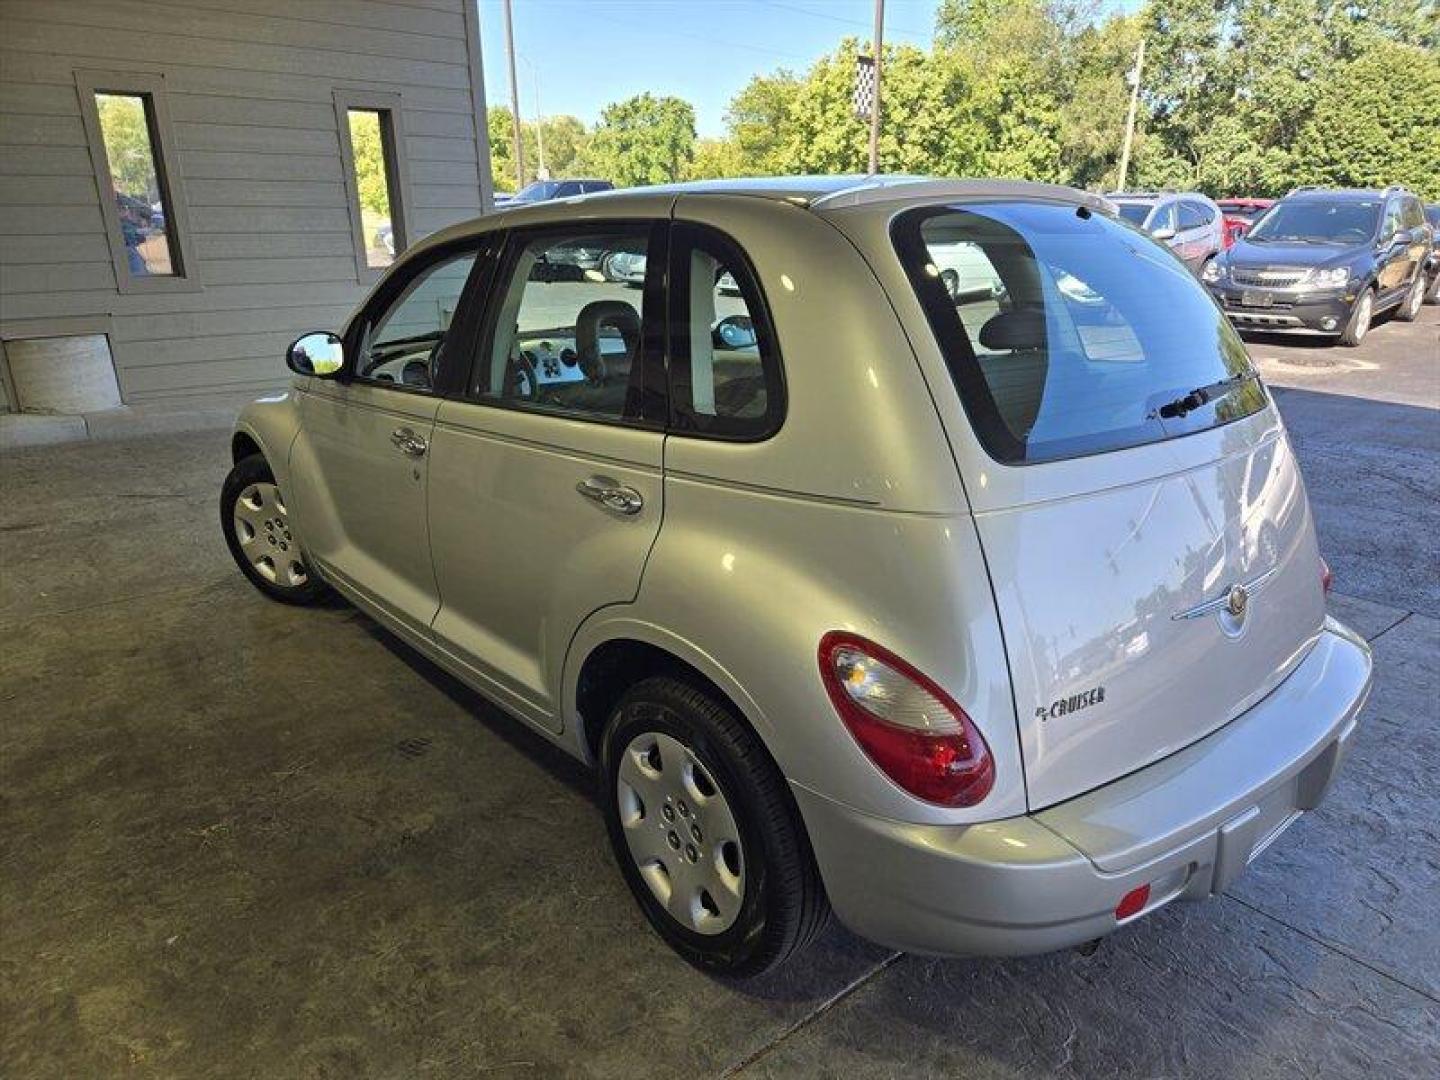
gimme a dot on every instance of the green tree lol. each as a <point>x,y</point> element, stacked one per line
<point>643,140</point>
<point>1364,133</point>
<point>760,121</point>
<point>565,141</point>
<point>127,144</point>
<point>717,159</point>
<point>369,153</point>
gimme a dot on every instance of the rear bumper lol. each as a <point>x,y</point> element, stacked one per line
<point>1187,826</point>
<point>1289,310</point>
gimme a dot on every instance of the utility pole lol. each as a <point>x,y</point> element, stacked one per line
<point>542,173</point>
<point>875,102</point>
<point>514,97</point>
<point>1130,117</point>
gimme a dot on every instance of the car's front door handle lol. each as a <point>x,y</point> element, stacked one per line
<point>611,494</point>
<point>407,442</point>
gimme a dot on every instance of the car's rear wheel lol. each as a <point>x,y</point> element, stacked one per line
<point>1432,291</point>
<point>257,530</point>
<point>705,832</point>
<point>1409,309</point>
<point>1359,323</point>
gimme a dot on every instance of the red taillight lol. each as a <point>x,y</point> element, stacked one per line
<point>906,724</point>
<point>1132,903</point>
<point>1327,577</point>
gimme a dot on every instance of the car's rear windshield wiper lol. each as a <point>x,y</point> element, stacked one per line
<point>1202,395</point>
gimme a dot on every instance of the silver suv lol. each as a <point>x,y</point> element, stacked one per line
<point>1189,223</point>
<point>992,619</point>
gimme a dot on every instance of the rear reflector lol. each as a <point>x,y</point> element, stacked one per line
<point>1132,903</point>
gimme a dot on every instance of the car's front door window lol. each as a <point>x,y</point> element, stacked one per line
<point>567,335</point>
<point>405,344</point>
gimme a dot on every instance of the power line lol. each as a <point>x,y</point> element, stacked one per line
<point>889,28</point>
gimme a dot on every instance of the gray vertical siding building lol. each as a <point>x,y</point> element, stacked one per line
<point>185,185</point>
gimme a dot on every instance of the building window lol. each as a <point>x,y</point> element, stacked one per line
<point>375,177</point>
<point>128,129</point>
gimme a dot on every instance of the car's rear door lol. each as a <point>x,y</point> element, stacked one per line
<point>545,479</point>
<point>360,462</point>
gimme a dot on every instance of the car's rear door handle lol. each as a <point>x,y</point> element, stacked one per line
<point>407,442</point>
<point>611,494</point>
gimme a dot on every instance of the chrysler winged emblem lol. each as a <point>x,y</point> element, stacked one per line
<point>1235,599</point>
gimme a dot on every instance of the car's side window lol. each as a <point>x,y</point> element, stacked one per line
<point>725,375</point>
<point>567,330</point>
<point>1413,217</point>
<point>404,342</point>
<point>1192,216</point>
<point>1392,220</point>
<point>1164,218</point>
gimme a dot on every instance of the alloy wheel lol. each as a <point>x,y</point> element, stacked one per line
<point>681,833</point>
<point>1362,315</point>
<point>262,526</point>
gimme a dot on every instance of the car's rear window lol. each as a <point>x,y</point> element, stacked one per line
<point>1076,335</point>
<point>1134,212</point>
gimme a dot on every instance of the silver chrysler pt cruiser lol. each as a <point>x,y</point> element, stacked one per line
<point>988,614</point>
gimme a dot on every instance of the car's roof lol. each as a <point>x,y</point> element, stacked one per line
<point>1146,197</point>
<point>1340,194</point>
<point>819,193</point>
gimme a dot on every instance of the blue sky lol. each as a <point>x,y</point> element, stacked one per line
<point>588,53</point>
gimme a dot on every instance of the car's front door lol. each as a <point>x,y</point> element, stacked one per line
<point>360,462</point>
<point>1393,255</point>
<point>545,481</point>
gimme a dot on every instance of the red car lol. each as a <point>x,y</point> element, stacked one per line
<point>1240,214</point>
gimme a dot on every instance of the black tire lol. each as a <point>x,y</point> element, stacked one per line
<point>1362,315</point>
<point>1432,291</point>
<point>247,473</point>
<point>783,906</point>
<point>1409,309</point>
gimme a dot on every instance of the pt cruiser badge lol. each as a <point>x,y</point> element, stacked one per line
<point>1072,704</point>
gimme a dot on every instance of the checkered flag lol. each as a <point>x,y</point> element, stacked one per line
<point>864,86</point>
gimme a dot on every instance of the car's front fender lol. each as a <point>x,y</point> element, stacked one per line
<point>271,424</point>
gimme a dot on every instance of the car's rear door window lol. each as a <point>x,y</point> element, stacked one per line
<point>1096,339</point>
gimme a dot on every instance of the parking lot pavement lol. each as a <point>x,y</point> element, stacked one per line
<point>237,837</point>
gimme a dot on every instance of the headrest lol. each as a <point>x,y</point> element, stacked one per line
<point>1017,330</point>
<point>598,313</point>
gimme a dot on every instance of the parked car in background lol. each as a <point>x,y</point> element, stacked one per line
<point>544,190</point>
<point>1432,264</point>
<point>994,628</point>
<point>966,273</point>
<point>1187,222</point>
<point>1240,214</point>
<point>1327,261</point>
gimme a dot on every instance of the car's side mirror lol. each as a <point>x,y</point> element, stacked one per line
<point>1400,236</point>
<point>1163,233</point>
<point>320,354</point>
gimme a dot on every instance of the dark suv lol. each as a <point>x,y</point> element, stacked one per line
<point>1326,261</point>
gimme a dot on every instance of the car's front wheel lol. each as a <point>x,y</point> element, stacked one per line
<point>257,530</point>
<point>1410,307</point>
<point>705,832</point>
<point>1360,315</point>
